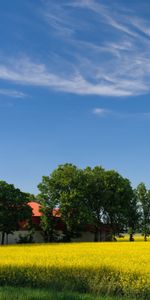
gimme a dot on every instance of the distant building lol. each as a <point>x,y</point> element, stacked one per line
<point>87,233</point>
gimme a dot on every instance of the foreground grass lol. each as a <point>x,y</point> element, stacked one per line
<point>113,269</point>
<point>9,293</point>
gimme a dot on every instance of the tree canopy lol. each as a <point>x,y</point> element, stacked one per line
<point>63,188</point>
<point>93,196</point>
<point>143,197</point>
<point>13,208</point>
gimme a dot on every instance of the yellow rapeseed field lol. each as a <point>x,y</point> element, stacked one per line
<point>99,268</point>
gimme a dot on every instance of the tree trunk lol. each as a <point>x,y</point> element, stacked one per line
<point>145,237</point>
<point>7,239</point>
<point>131,239</point>
<point>51,236</point>
<point>3,238</point>
<point>45,236</point>
<point>67,234</point>
<point>96,235</point>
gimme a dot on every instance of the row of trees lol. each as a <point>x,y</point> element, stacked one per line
<point>93,196</point>
<point>84,196</point>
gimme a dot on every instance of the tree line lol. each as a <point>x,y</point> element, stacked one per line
<point>84,196</point>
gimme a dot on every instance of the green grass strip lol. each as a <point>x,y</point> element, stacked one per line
<point>11,293</point>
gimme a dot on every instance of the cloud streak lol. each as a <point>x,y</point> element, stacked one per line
<point>103,112</point>
<point>106,14</point>
<point>114,63</point>
<point>98,111</point>
<point>12,93</point>
<point>25,72</point>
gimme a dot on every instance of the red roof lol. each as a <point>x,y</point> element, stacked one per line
<point>36,207</point>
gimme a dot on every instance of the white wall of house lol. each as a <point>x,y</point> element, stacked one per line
<point>38,238</point>
<point>14,238</point>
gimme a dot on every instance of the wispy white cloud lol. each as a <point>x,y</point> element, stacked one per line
<point>26,72</point>
<point>12,93</point>
<point>107,81</point>
<point>105,13</point>
<point>100,111</point>
<point>113,64</point>
<point>59,24</point>
<point>61,20</point>
<point>140,24</point>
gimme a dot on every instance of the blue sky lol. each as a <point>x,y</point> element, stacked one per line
<point>74,87</point>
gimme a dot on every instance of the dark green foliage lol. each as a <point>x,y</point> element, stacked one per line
<point>26,239</point>
<point>13,209</point>
<point>93,197</point>
<point>143,197</point>
<point>90,196</point>
<point>48,203</point>
<point>119,199</point>
<point>110,200</point>
<point>63,188</point>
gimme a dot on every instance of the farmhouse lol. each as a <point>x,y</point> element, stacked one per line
<point>87,234</point>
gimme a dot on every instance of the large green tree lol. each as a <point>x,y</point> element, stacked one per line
<point>143,196</point>
<point>133,216</point>
<point>93,195</point>
<point>63,188</point>
<point>13,209</point>
<point>90,196</point>
<point>48,203</point>
<point>119,202</point>
<point>110,200</point>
